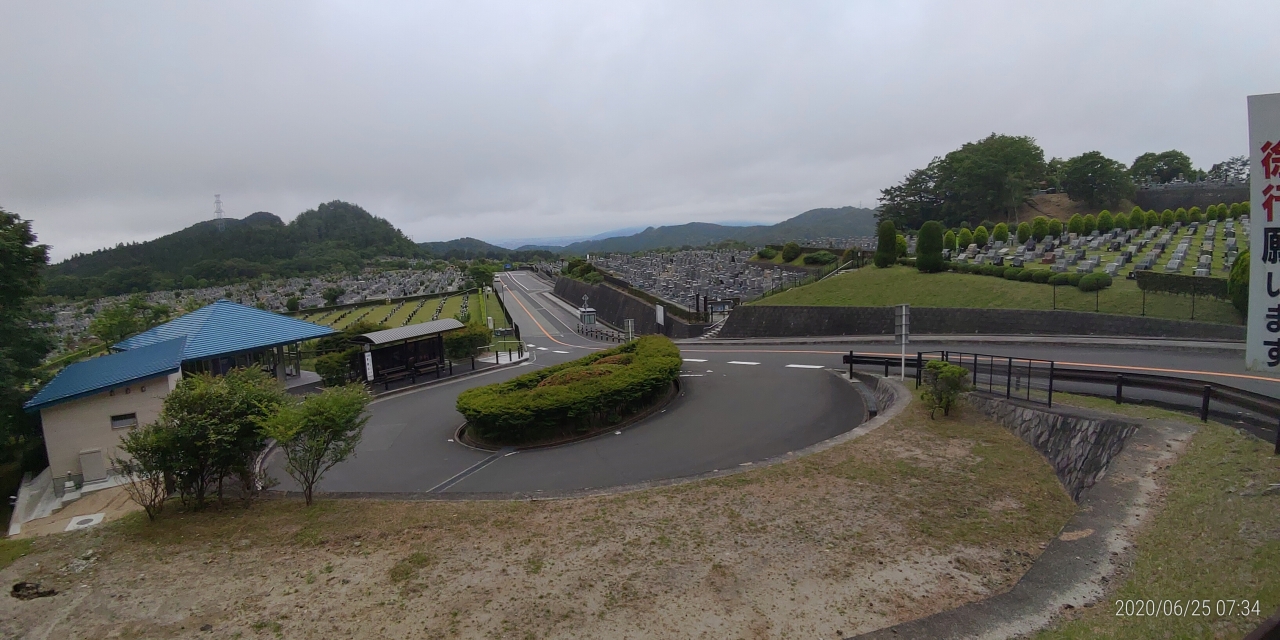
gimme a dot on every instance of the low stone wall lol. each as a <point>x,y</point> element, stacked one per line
<point>614,306</point>
<point>1079,444</point>
<point>767,321</point>
<point>882,393</point>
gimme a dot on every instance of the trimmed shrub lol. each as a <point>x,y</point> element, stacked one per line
<point>1012,273</point>
<point>1026,275</point>
<point>1167,218</point>
<point>1239,209</point>
<point>1073,279</point>
<point>929,247</point>
<point>1055,228</point>
<point>523,409</point>
<point>1137,218</point>
<point>1194,215</point>
<point>987,269</point>
<point>1059,279</point>
<point>980,236</point>
<point>902,245</point>
<point>1121,221</point>
<point>1040,275</point>
<point>965,238</point>
<point>767,254</point>
<point>820,258</point>
<point>1094,282</point>
<point>1090,224</point>
<point>1024,233</point>
<point>1182,216</point>
<point>975,269</point>
<point>998,271</point>
<point>1076,224</point>
<point>1039,228</point>
<point>1000,233</point>
<point>791,251</point>
<point>467,341</point>
<point>886,245</point>
<point>949,240</point>
<point>1238,283</point>
<point>1183,284</point>
<point>1221,213</point>
<point>1105,221</point>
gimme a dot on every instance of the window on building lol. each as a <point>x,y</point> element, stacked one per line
<point>126,421</point>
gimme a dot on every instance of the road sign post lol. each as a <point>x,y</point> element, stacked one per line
<point>902,334</point>
<point>1262,349</point>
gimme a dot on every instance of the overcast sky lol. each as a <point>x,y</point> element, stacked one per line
<point>119,121</point>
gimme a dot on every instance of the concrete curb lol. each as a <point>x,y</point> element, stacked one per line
<point>1078,564</point>
<point>1073,341</point>
<point>902,397</point>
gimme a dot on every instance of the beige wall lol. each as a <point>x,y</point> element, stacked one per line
<point>85,423</point>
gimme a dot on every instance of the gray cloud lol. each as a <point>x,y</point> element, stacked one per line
<point>119,121</point>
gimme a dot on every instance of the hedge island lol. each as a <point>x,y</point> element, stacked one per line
<point>573,398</point>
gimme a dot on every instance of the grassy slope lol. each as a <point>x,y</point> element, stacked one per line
<point>871,287</point>
<point>1217,536</point>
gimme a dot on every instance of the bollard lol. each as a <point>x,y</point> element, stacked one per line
<point>1204,403</point>
<point>850,365</point>
<point>1119,388</point>
<point>1278,436</point>
<point>919,368</point>
<point>886,367</point>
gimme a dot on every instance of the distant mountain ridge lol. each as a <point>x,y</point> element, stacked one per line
<point>841,222</point>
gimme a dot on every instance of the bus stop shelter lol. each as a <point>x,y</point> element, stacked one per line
<point>405,352</point>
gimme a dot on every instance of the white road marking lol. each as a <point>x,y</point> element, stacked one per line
<point>531,345</point>
<point>541,348</point>
<point>559,352</point>
<point>804,366</point>
<point>694,360</point>
<point>741,362</point>
<point>691,375</point>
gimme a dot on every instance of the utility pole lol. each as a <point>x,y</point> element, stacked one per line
<point>902,334</point>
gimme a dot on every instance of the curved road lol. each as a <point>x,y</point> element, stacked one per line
<point>739,404</point>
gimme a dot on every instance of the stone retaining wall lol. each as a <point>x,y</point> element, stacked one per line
<point>1078,443</point>
<point>767,321</point>
<point>614,306</point>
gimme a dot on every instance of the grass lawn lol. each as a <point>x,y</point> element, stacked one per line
<point>872,287</point>
<point>11,550</point>
<point>915,518</point>
<point>1216,536</point>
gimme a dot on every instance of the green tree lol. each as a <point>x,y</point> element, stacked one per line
<point>1195,215</point>
<point>124,319</point>
<point>466,342</point>
<point>1121,221</point>
<point>988,178</point>
<point>1076,224</point>
<point>886,245</point>
<point>331,295</point>
<point>1221,213</point>
<point>965,239</point>
<point>929,247</point>
<point>1163,167</point>
<point>980,236</point>
<point>188,281</point>
<point>292,303</point>
<point>790,251</point>
<point>1167,218</point>
<point>850,256</point>
<point>766,254</point>
<point>1090,223</point>
<point>943,382</point>
<point>148,464</point>
<point>318,432</point>
<point>24,341</point>
<point>900,243</point>
<point>1096,179</point>
<point>1238,283</point>
<point>1239,209</point>
<point>1000,233</point>
<point>1039,228</point>
<point>212,428</point>
<point>1024,232</point>
<point>1153,218</point>
<point>1106,221</point>
<point>1182,216</point>
<point>1055,228</point>
<point>949,240</point>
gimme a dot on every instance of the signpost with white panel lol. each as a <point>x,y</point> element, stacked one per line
<point>1262,352</point>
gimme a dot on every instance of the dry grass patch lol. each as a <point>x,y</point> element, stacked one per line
<point>914,518</point>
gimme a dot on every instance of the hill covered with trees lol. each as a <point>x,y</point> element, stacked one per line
<point>334,235</point>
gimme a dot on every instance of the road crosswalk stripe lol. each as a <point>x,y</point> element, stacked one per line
<point>804,366</point>
<point>741,362</point>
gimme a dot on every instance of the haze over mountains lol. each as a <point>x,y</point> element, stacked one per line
<point>340,235</point>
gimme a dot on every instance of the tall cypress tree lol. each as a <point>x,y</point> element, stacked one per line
<point>886,245</point>
<point>929,247</point>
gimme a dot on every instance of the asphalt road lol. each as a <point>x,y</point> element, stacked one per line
<point>739,404</point>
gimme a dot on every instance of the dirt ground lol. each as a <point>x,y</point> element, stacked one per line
<point>1058,205</point>
<point>914,518</point>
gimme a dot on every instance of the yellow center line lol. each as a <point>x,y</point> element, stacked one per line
<point>516,297</point>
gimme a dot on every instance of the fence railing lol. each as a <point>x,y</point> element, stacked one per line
<point>1036,381</point>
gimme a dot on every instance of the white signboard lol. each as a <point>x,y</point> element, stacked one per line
<point>368,366</point>
<point>1262,352</point>
<point>661,318</point>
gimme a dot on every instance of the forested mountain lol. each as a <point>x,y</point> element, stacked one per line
<point>844,222</point>
<point>335,235</point>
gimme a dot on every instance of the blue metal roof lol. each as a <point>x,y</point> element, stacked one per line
<point>225,327</point>
<point>113,370</point>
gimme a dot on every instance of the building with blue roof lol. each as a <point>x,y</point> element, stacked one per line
<point>89,404</point>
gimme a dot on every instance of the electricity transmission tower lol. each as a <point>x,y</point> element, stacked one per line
<point>217,210</point>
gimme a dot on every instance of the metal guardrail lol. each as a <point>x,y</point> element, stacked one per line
<point>1036,380</point>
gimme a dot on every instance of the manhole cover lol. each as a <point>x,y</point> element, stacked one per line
<point>84,522</point>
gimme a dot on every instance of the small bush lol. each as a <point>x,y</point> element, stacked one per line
<point>998,271</point>
<point>820,258</point>
<point>790,251</point>
<point>944,382</point>
<point>976,269</point>
<point>1238,282</point>
<point>1058,279</point>
<point>1040,275</point>
<point>767,253</point>
<point>1094,282</point>
<point>1025,275</point>
<point>1073,279</point>
<point>987,269</point>
<point>1012,273</point>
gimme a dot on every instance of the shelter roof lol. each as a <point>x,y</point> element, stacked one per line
<point>409,332</point>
